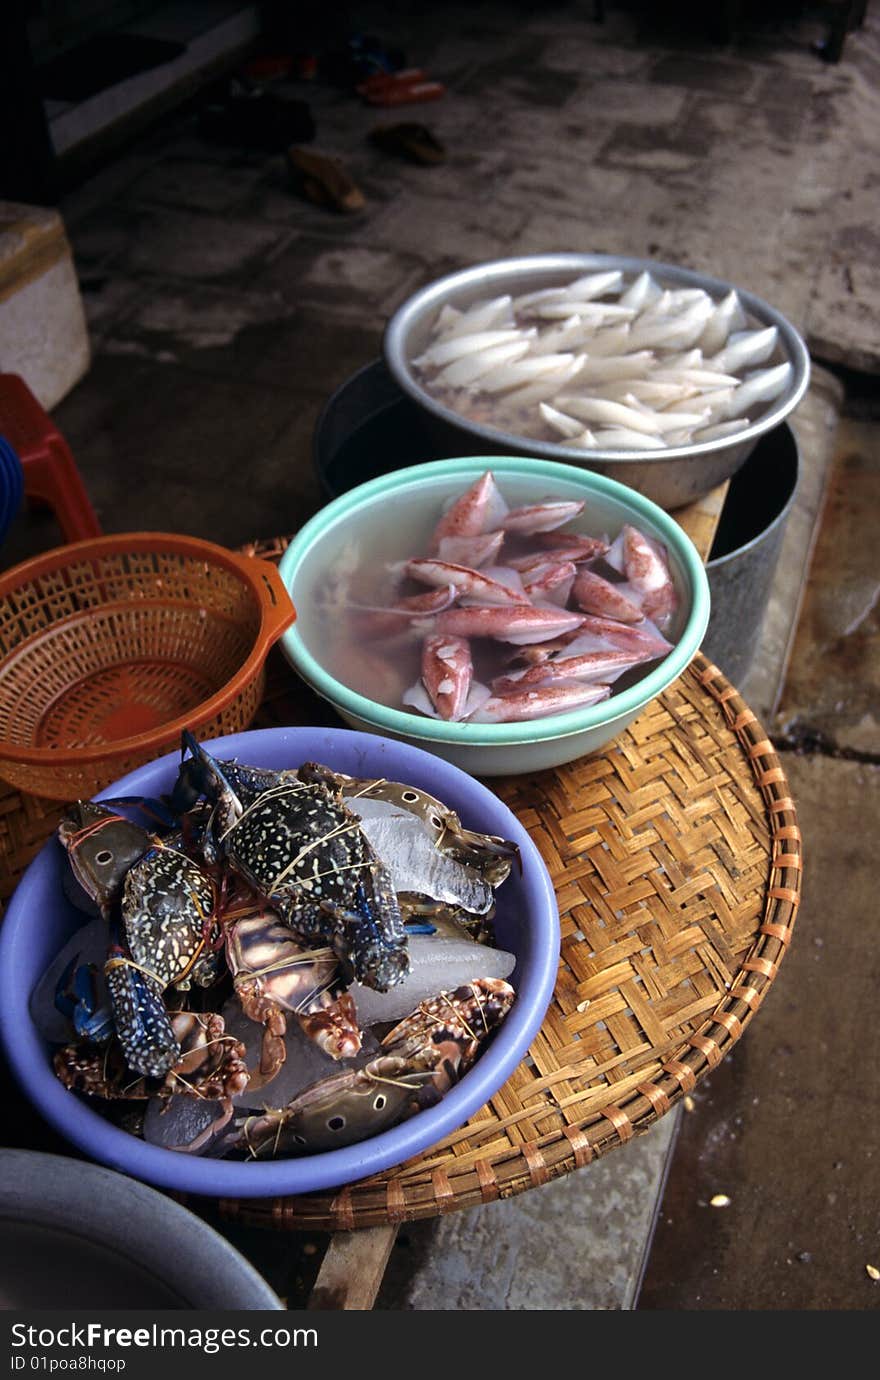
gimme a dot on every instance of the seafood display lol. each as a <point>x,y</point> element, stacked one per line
<point>529,617</point>
<point>282,962</point>
<point>605,362</point>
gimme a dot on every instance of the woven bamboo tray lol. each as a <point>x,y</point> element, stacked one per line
<point>676,856</point>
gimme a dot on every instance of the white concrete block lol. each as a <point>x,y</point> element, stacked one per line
<point>43,332</point>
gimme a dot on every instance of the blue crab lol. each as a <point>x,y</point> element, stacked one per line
<point>303,852</point>
<point>161,911</point>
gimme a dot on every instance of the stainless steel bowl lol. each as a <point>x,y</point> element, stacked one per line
<point>671,477</point>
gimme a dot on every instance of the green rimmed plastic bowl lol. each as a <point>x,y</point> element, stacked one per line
<point>391,517</point>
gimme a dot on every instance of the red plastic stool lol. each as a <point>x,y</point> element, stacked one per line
<point>50,472</point>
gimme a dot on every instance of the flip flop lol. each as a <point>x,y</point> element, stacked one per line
<point>400,88</point>
<point>323,180</point>
<point>378,81</point>
<point>411,141</point>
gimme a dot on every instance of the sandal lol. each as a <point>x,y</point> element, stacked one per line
<point>323,181</point>
<point>411,141</point>
<point>400,88</point>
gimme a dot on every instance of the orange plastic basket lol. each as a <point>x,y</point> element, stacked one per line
<point>110,647</point>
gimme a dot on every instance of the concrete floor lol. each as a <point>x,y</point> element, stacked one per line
<point>223,313</point>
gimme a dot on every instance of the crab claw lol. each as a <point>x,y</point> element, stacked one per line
<point>199,776</point>
<point>334,1028</point>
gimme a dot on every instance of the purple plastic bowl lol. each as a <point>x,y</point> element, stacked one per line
<point>39,920</point>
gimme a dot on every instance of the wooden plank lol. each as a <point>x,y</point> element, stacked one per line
<point>700,518</point>
<point>351,1271</point>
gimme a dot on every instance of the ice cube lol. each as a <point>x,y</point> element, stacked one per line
<point>437,965</point>
<point>406,847</point>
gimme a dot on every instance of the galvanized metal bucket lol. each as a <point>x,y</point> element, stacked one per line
<point>746,549</point>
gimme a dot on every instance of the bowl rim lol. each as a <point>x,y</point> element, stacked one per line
<point>26,1050</point>
<point>257,574</point>
<point>75,1198</point>
<point>494,271</point>
<point>575,721</point>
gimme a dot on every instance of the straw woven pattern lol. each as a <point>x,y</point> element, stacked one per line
<point>106,646</point>
<point>676,857</point>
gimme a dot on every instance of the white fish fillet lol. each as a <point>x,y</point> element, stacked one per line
<point>608,363</point>
<point>518,371</point>
<point>461,373</point>
<point>623,438</point>
<point>445,351</point>
<point>759,387</point>
<point>745,348</point>
<point>714,433</point>
<point>546,385</point>
<point>641,292</point>
<point>611,413</point>
<point>591,313</point>
<point>596,284</point>
<point>560,421</point>
<point>484,316</point>
<point>728,316</point>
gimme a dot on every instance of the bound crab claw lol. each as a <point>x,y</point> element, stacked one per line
<point>78,997</point>
<point>162,909</point>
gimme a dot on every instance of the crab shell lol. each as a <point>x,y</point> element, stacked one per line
<point>300,848</point>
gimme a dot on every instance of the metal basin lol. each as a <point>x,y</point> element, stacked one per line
<point>670,478</point>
